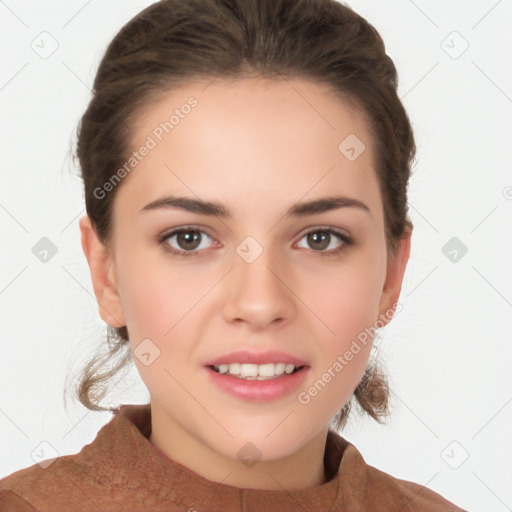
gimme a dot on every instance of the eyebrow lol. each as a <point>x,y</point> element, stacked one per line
<point>213,208</point>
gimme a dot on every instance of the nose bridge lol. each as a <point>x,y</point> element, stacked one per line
<point>258,294</point>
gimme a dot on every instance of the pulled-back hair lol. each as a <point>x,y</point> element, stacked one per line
<point>175,42</point>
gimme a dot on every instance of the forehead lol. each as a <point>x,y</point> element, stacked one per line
<point>261,139</point>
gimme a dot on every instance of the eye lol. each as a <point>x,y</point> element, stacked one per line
<point>322,238</point>
<point>189,241</point>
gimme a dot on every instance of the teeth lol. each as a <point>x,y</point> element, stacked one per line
<point>289,368</point>
<point>249,370</point>
<point>266,370</point>
<point>255,371</point>
<point>234,368</point>
<point>279,368</point>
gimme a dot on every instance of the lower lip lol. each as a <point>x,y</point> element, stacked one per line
<point>259,390</point>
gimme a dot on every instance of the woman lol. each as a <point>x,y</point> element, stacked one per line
<point>245,168</point>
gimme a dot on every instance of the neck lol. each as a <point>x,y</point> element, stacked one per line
<point>300,470</point>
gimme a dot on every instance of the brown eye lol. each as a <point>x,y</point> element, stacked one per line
<point>319,239</point>
<point>188,240</point>
<point>323,241</point>
<point>185,241</point>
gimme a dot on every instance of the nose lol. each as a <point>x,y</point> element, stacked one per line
<point>259,293</point>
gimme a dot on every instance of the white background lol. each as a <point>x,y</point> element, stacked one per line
<point>448,352</point>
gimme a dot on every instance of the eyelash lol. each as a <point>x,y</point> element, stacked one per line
<point>347,241</point>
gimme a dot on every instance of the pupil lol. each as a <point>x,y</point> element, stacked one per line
<point>315,237</point>
<point>187,239</point>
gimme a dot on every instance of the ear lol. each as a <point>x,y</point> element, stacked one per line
<point>394,276</point>
<point>102,269</point>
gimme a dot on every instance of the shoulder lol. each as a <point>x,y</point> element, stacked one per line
<point>102,476</point>
<point>410,496</point>
<point>11,502</point>
<point>361,483</point>
<point>37,488</point>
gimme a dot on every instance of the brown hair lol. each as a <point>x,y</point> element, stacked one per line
<point>174,42</point>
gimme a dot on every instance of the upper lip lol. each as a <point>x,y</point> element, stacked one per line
<point>243,356</point>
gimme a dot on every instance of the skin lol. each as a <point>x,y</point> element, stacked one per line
<point>257,146</point>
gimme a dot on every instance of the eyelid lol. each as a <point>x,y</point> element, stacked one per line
<point>186,227</point>
<point>323,227</point>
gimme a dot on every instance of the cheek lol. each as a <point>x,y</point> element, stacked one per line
<point>346,299</point>
<point>156,294</point>
<point>160,303</point>
<point>347,296</point>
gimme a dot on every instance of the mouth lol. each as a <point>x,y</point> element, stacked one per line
<point>247,371</point>
<point>258,382</point>
<point>257,376</point>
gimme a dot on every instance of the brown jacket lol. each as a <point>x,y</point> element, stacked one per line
<point>122,471</point>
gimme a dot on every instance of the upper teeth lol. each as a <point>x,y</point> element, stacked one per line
<point>255,370</point>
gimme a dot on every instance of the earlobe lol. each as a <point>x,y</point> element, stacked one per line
<point>395,274</point>
<point>102,270</point>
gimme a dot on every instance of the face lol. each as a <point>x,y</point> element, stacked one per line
<point>263,273</point>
